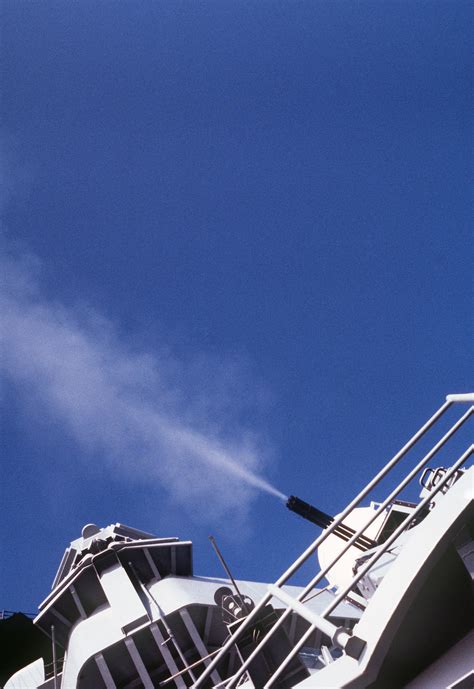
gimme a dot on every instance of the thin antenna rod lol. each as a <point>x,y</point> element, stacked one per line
<point>53,643</point>
<point>228,572</point>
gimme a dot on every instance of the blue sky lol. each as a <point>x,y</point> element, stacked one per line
<point>235,238</point>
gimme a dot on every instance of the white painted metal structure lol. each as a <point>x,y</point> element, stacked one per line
<point>128,611</point>
<point>454,510</point>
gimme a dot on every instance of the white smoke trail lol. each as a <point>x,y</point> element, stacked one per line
<point>122,405</point>
<point>217,457</point>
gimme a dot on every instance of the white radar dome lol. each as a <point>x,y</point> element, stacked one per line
<point>89,530</point>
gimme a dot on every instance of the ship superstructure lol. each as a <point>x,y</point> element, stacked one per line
<point>391,605</point>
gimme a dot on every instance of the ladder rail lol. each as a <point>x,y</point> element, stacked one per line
<point>375,557</point>
<point>322,573</point>
<point>311,549</point>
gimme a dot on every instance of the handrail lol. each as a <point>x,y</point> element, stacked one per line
<point>232,681</point>
<point>340,636</point>
<point>399,530</point>
<point>6,614</point>
<point>313,547</point>
<point>322,573</point>
<point>369,564</point>
<point>463,398</point>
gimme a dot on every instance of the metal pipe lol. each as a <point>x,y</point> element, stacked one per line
<point>461,398</point>
<point>55,670</point>
<point>228,572</point>
<point>313,547</point>
<point>321,538</point>
<point>366,567</point>
<point>172,638</point>
<point>224,681</point>
<point>189,667</point>
<point>325,570</point>
<point>162,617</point>
<point>315,620</point>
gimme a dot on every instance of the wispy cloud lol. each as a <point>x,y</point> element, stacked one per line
<point>133,410</point>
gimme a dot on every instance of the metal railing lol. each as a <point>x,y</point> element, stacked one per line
<point>5,614</point>
<point>50,669</point>
<point>351,645</point>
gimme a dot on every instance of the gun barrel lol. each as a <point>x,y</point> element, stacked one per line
<point>315,516</point>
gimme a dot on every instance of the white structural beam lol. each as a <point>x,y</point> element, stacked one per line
<point>167,657</point>
<point>121,594</point>
<point>292,631</point>
<point>104,671</point>
<point>77,601</point>
<point>340,636</point>
<point>139,664</point>
<point>60,617</point>
<point>198,642</point>
<point>207,624</point>
<point>153,566</point>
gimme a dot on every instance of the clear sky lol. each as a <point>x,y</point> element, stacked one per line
<point>235,238</point>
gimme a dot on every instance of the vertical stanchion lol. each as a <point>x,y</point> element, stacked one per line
<point>55,672</point>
